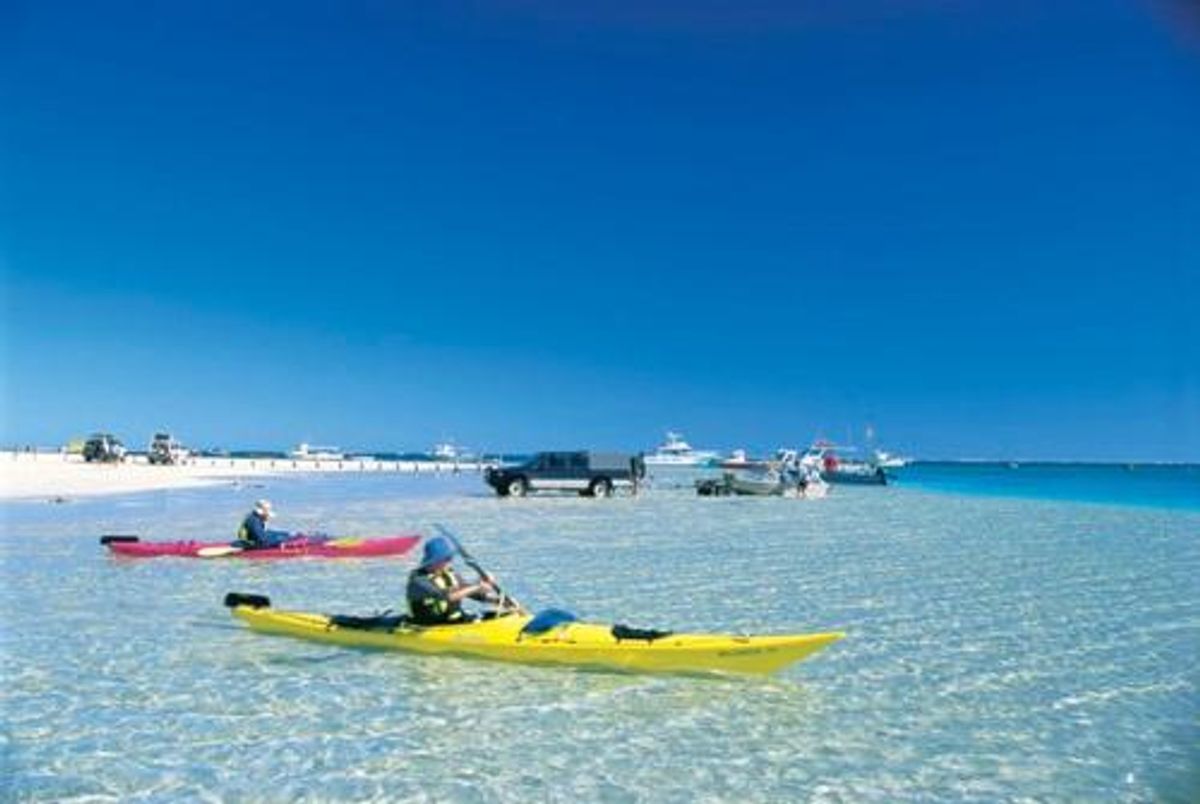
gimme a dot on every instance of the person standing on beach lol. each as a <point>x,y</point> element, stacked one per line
<point>435,593</point>
<point>253,534</point>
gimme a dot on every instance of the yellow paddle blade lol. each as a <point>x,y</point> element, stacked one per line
<point>349,541</point>
<point>217,551</point>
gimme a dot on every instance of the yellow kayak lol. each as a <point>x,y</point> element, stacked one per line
<point>508,637</point>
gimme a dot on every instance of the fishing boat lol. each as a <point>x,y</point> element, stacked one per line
<point>311,452</point>
<point>888,460</point>
<point>835,468</point>
<point>882,458</point>
<point>739,460</point>
<point>449,452</point>
<point>677,452</point>
<point>444,451</point>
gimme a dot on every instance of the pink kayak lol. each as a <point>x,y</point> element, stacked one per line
<point>298,547</point>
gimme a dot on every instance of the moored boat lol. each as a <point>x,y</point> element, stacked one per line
<point>769,483</point>
<point>677,452</point>
<point>310,452</point>
<point>835,468</point>
<point>449,452</point>
<point>519,637</point>
<point>888,460</point>
<point>739,460</point>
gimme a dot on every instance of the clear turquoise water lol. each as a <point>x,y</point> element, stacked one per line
<point>1149,485</point>
<point>999,649</point>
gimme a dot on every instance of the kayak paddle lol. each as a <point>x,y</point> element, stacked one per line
<point>218,551</point>
<point>234,599</point>
<point>345,541</point>
<point>473,564</point>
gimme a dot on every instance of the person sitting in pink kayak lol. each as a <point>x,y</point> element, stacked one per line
<point>435,593</point>
<point>253,534</point>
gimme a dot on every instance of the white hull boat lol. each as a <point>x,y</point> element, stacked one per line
<point>675,452</point>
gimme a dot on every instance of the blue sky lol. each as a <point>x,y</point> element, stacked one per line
<point>974,226</point>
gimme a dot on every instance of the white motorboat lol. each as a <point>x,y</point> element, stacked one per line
<point>677,452</point>
<point>312,452</point>
<point>736,459</point>
<point>449,452</point>
<point>739,460</point>
<point>444,451</point>
<point>889,460</point>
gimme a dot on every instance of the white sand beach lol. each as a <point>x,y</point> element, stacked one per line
<point>59,477</point>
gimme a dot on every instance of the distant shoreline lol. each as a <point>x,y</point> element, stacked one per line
<point>423,460</point>
<point>59,477</point>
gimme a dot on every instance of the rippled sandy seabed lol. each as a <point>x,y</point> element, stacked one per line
<point>997,650</point>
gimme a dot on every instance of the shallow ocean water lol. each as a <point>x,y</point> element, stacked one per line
<point>997,649</point>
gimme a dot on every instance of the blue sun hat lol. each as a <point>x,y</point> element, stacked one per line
<point>437,550</point>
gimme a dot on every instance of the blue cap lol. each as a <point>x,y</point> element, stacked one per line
<point>437,550</point>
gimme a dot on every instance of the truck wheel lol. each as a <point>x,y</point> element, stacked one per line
<point>517,487</point>
<point>601,487</point>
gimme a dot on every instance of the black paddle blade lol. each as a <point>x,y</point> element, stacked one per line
<point>234,599</point>
<point>116,537</point>
<point>620,632</point>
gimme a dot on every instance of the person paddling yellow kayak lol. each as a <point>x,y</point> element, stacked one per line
<point>437,624</point>
<point>436,593</point>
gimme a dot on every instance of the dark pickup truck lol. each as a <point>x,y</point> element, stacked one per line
<point>592,474</point>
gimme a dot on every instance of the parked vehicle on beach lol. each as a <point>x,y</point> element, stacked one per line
<point>103,448</point>
<point>592,474</point>
<point>165,450</point>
